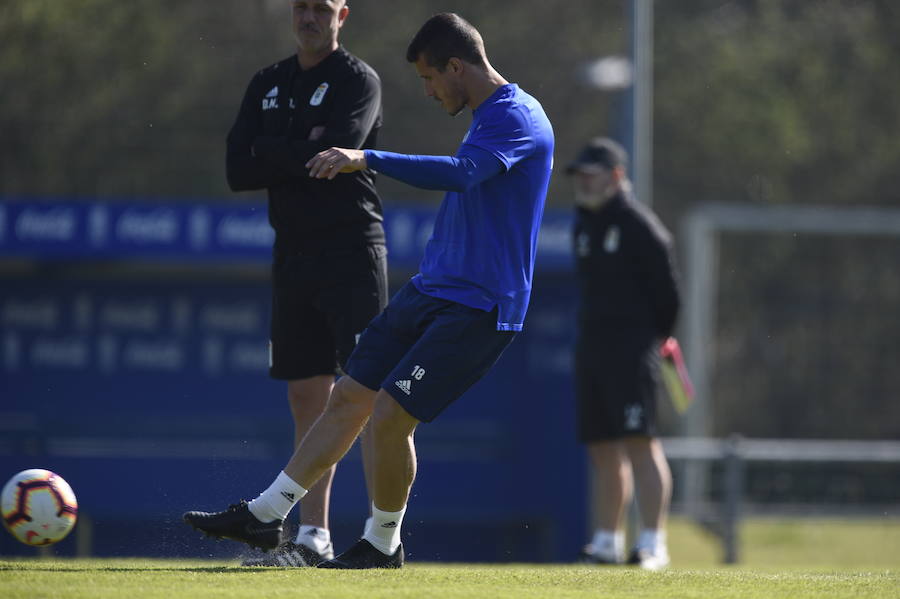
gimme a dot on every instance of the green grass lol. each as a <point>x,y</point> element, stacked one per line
<point>864,543</point>
<point>99,579</point>
<point>794,559</point>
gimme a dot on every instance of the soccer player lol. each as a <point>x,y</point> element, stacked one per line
<point>329,270</point>
<point>628,304</point>
<point>447,326</point>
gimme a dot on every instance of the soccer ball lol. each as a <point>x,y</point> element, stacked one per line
<point>38,507</point>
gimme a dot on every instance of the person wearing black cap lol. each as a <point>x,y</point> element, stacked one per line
<point>628,303</point>
<point>329,268</point>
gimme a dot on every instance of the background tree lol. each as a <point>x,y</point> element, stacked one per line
<point>774,101</point>
<point>135,98</point>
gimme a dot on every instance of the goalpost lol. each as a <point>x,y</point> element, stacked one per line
<point>701,235</point>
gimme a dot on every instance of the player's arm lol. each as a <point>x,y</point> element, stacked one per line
<point>449,173</point>
<point>354,113</point>
<point>246,171</point>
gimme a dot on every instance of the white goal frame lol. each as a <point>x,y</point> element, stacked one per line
<point>699,237</point>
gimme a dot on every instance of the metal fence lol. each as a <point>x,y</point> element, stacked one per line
<point>735,452</point>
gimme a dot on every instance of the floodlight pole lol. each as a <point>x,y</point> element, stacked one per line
<point>639,125</point>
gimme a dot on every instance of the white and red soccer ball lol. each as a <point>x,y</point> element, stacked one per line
<point>38,507</point>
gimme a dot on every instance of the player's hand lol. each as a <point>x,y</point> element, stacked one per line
<point>668,347</point>
<point>328,163</point>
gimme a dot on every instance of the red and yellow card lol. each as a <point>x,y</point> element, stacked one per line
<point>675,375</point>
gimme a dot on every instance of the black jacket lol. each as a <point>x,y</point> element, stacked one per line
<point>287,116</point>
<point>626,272</point>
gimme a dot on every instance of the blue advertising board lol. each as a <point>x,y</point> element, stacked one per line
<point>139,373</point>
<point>207,232</point>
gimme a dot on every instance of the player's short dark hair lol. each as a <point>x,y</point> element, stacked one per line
<point>445,36</point>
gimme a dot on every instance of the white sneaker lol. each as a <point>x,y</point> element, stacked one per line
<point>649,560</point>
<point>590,555</point>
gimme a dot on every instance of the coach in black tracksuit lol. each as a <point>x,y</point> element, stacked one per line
<point>628,304</point>
<point>329,271</point>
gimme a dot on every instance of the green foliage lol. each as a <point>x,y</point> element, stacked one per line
<point>806,328</point>
<point>114,98</point>
<point>135,98</point>
<point>766,100</point>
<point>774,101</point>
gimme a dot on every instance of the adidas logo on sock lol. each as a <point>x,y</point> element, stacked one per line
<point>312,532</point>
<point>288,496</point>
<point>405,386</point>
<point>391,524</point>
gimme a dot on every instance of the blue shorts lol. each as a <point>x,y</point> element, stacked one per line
<point>426,352</point>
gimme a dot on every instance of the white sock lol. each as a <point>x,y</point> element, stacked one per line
<point>653,540</point>
<point>367,526</point>
<point>608,544</point>
<point>384,532</point>
<point>277,501</point>
<point>317,539</point>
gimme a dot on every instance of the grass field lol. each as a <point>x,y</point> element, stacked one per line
<point>782,558</point>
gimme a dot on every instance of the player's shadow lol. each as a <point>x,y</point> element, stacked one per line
<point>199,569</point>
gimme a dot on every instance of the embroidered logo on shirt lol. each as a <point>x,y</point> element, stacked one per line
<point>405,386</point>
<point>583,245</point>
<point>271,99</point>
<point>634,414</point>
<point>319,94</point>
<point>611,241</point>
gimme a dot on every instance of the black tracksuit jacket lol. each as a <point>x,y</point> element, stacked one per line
<point>627,276</point>
<point>287,116</point>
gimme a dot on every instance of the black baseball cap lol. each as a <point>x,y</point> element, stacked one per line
<point>600,151</point>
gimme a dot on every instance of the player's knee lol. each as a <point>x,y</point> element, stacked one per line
<point>309,395</point>
<point>349,397</point>
<point>305,410</point>
<point>644,450</point>
<point>389,420</point>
